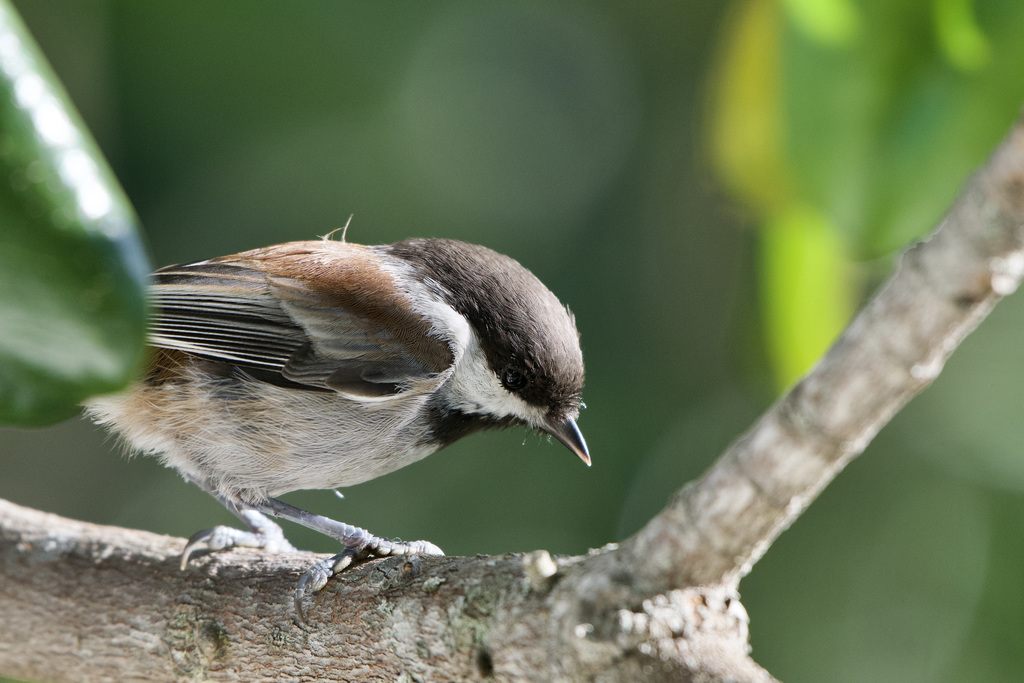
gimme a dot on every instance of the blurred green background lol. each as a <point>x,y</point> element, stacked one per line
<point>713,187</point>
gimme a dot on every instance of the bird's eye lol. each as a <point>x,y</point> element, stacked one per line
<point>513,379</point>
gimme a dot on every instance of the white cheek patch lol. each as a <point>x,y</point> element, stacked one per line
<point>475,389</point>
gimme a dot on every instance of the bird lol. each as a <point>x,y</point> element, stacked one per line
<point>323,364</point>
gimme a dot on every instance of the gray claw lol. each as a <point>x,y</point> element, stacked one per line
<point>265,536</point>
<point>317,576</point>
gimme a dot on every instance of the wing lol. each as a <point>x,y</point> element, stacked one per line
<point>321,316</point>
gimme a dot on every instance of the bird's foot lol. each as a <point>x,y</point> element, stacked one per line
<point>262,533</point>
<point>317,576</point>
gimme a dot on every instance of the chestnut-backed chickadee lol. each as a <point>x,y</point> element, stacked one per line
<point>322,364</point>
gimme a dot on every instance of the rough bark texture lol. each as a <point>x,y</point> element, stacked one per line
<point>82,602</point>
<point>86,603</point>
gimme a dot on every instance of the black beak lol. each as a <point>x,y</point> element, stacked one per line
<point>569,434</point>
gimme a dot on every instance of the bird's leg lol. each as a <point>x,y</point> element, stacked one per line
<point>359,544</point>
<point>263,533</point>
<point>361,541</point>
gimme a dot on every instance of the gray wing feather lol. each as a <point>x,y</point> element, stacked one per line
<point>235,314</point>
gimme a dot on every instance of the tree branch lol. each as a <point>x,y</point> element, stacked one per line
<point>79,601</point>
<point>86,602</point>
<point>943,287</point>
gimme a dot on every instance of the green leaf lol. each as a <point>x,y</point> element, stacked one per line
<point>72,267</point>
<point>745,127</point>
<point>807,291</point>
<point>830,22</point>
<point>859,117</point>
<point>882,131</point>
<point>960,37</point>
